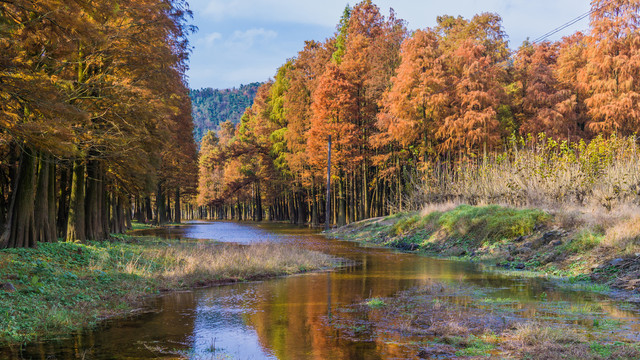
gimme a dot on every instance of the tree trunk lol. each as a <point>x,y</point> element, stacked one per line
<point>334,206</point>
<point>52,201</point>
<point>140,210</point>
<point>76,222</point>
<point>178,211</point>
<point>342,203</point>
<point>161,212</point>
<point>314,204</point>
<point>168,197</point>
<point>42,217</point>
<point>365,192</point>
<point>148,209</point>
<point>399,185</point>
<point>258,203</point>
<point>118,221</point>
<point>104,205</point>
<point>126,213</point>
<point>63,201</point>
<point>93,227</point>
<point>301,209</point>
<point>19,231</point>
<point>3,202</point>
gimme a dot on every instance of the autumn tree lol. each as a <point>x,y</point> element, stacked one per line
<point>36,117</point>
<point>570,74</point>
<point>613,67</point>
<point>302,79</point>
<point>546,107</point>
<point>475,52</point>
<point>94,85</point>
<point>415,105</point>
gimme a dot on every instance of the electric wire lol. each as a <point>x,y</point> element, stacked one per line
<point>567,24</point>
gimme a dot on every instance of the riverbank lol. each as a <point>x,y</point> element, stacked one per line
<point>432,322</point>
<point>60,288</point>
<point>458,321</point>
<point>605,251</point>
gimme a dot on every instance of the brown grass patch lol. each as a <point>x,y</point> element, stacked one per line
<point>182,265</point>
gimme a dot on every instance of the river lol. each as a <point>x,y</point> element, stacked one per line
<point>289,317</point>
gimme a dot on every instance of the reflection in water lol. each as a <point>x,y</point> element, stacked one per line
<point>289,318</point>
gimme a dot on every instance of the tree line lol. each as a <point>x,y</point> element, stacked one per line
<point>95,117</point>
<point>399,105</point>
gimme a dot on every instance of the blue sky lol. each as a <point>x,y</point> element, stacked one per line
<point>242,41</point>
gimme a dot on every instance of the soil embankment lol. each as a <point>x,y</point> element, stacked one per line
<point>515,239</point>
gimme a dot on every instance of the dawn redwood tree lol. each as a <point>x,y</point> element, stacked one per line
<point>302,79</point>
<point>570,74</point>
<point>398,106</point>
<point>476,52</point>
<point>32,104</point>
<point>546,107</point>
<point>416,103</point>
<point>334,109</point>
<point>612,72</point>
<point>100,81</point>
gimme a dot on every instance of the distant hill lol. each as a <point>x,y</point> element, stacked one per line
<point>210,107</point>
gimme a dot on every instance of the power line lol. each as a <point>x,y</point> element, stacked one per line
<point>567,24</point>
<point>564,26</point>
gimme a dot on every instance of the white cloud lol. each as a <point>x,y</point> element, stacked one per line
<point>246,39</point>
<point>210,39</point>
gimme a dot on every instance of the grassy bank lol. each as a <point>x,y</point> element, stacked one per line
<point>60,288</point>
<point>433,322</point>
<point>576,246</point>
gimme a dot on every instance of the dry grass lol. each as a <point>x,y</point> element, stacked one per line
<point>532,333</point>
<point>438,207</point>
<point>240,262</point>
<point>535,341</point>
<point>199,264</point>
<point>604,174</point>
<point>624,234</point>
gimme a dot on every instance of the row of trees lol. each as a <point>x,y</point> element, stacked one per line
<point>399,104</point>
<point>94,116</point>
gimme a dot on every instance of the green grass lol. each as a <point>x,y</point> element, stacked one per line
<point>376,303</point>
<point>58,290</point>
<point>473,224</point>
<point>64,287</point>
<point>476,347</point>
<point>584,241</point>
<point>406,223</point>
<point>140,226</point>
<point>490,223</point>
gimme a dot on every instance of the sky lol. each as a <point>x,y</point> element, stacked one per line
<point>244,41</point>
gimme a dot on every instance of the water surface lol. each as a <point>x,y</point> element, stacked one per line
<point>290,317</point>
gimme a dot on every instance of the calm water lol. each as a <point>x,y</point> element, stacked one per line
<point>288,318</point>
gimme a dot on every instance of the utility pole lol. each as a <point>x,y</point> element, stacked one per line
<point>328,207</point>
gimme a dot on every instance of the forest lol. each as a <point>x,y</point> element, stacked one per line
<point>211,107</point>
<point>95,118</point>
<point>430,110</point>
<point>96,124</point>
